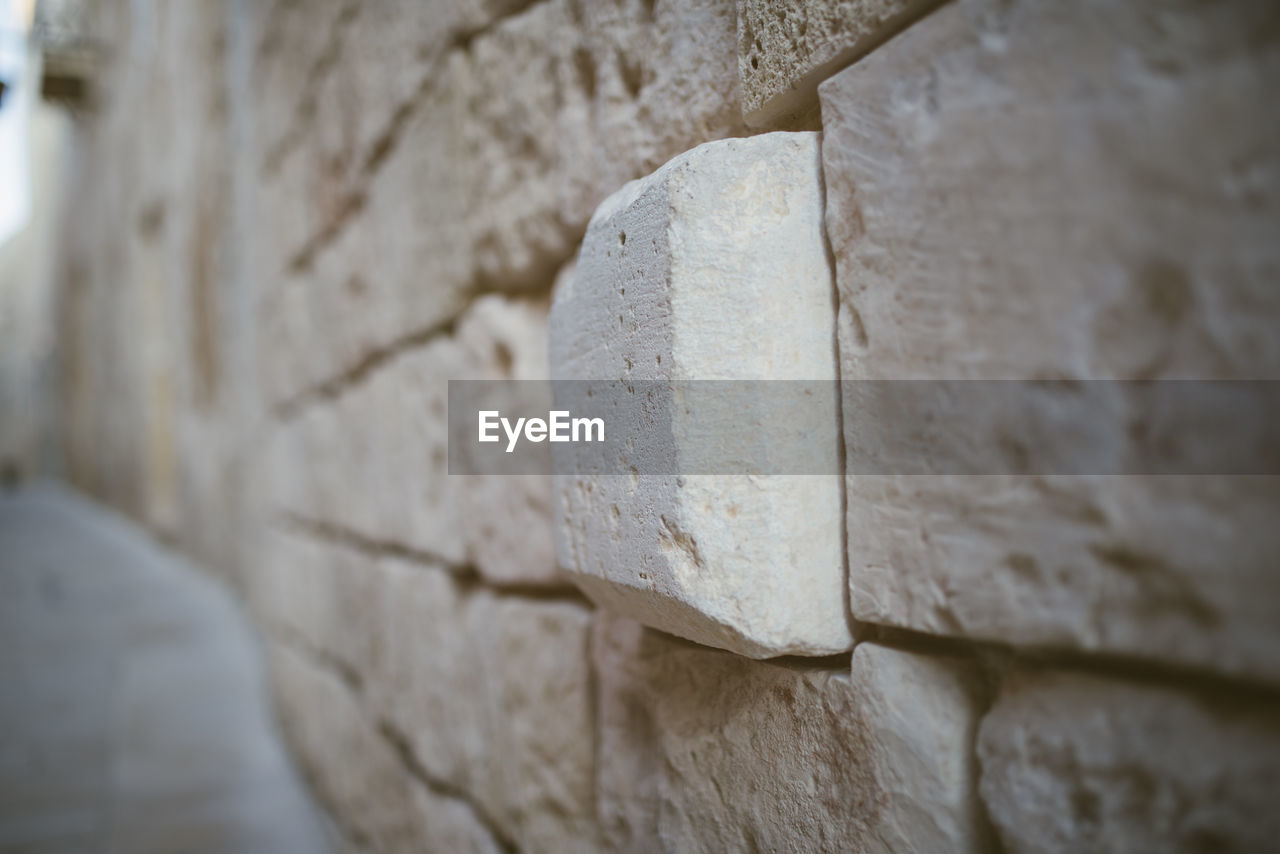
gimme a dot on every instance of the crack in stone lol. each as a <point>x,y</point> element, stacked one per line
<point>320,658</point>
<point>396,741</point>
<point>308,103</point>
<point>466,576</point>
<point>403,750</point>
<point>998,656</point>
<point>333,387</point>
<point>387,140</point>
<point>376,358</point>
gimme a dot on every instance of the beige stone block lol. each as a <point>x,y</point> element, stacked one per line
<point>371,458</point>
<point>701,750</point>
<point>487,174</point>
<point>680,277</point>
<point>1020,191</point>
<point>492,694</point>
<point>540,766</point>
<point>787,47</point>
<point>318,595</point>
<point>359,773</point>
<point>428,680</point>
<point>1085,763</point>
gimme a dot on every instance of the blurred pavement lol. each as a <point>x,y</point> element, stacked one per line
<point>134,714</point>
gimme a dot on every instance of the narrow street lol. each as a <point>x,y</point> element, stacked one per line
<point>133,703</point>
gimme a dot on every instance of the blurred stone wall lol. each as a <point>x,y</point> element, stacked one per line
<point>292,222</point>
<point>29,443</point>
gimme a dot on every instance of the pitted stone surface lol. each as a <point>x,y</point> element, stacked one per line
<point>877,760</point>
<point>787,47</point>
<point>712,268</point>
<point>1084,763</point>
<point>1017,192</point>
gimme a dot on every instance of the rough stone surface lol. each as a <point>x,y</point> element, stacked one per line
<point>877,760</point>
<point>517,133</point>
<point>1016,191</point>
<point>357,771</point>
<point>787,47</point>
<point>483,697</point>
<point>499,708</point>
<point>384,478</point>
<point>681,276</point>
<point>1083,763</point>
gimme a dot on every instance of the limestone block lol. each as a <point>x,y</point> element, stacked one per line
<point>372,458</point>
<point>499,703</point>
<point>1083,763</point>
<point>1016,191</point>
<point>619,87</point>
<point>358,772</point>
<point>718,261</point>
<point>540,767</point>
<point>785,49</point>
<point>486,174</point>
<point>878,760</point>
<point>317,595</point>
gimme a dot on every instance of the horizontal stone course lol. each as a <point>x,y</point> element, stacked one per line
<point>1018,191</point>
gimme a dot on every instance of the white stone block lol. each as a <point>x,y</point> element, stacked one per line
<point>712,268</point>
<point>1028,191</point>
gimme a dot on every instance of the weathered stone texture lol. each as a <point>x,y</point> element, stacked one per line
<point>695,257</point>
<point>485,698</point>
<point>372,459</point>
<point>493,695</point>
<point>486,173</point>
<point>701,750</point>
<point>787,47</point>
<point>357,771</point>
<point>1084,763</point>
<point>1020,191</point>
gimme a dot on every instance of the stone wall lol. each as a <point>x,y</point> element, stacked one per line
<point>293,222</point>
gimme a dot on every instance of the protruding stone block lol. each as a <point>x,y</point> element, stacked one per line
<point>1020,191</point>
<point>879,760</point>
<point>712,268</point>
<point>1083,763</point>
<point>787,47</point>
